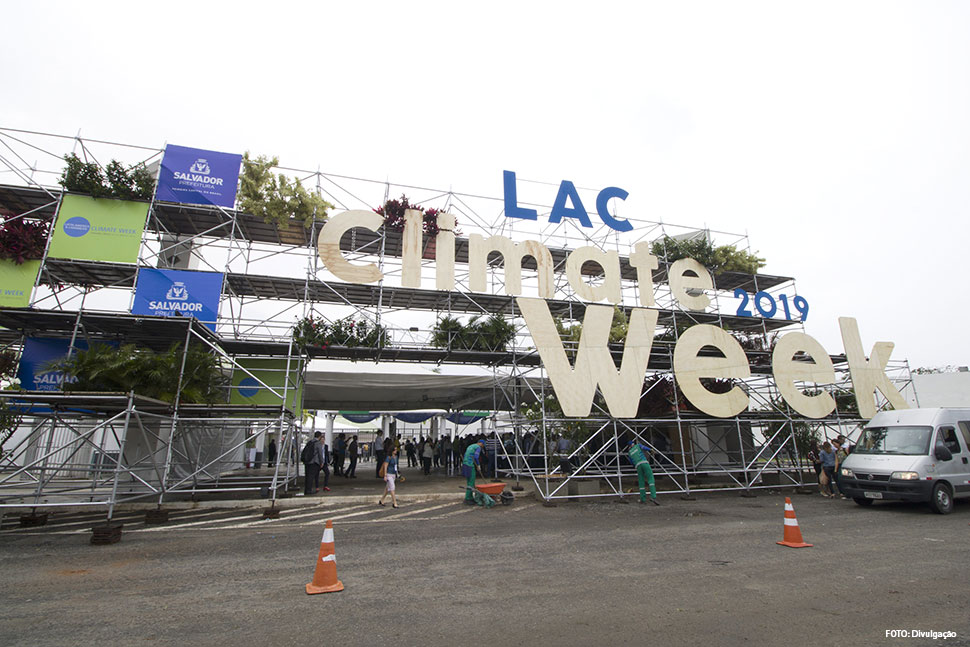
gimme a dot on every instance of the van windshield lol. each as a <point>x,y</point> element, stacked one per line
<point>911,441</point>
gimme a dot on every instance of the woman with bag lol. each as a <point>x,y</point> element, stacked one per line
<point>389,472</point>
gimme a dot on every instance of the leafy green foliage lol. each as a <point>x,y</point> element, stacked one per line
<point>317,332</point>
<point>116,181</point>
<point>551,413</point>
<point>276,198</point>
<point>618,329</point>
<point>23,240</point>
<point>492,334</point>
<point>154,375</point>
<point>718,260</point>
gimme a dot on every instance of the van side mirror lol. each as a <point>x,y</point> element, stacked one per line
<point>942,453</point>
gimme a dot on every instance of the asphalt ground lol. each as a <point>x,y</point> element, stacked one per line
<point>436,572</point>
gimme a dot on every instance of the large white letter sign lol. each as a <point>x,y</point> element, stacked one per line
<point>689,369</point>
<point>868,374</point>
<point>594,364</point>
<point>817,369</point>
<point>609,261</point>
<point>512,255</point>
<point>328,245</point>
<point>680,282</point>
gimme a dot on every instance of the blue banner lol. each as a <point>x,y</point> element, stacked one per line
<point>178,293</point>
<point>360,418</point>
<point>196,176</point>
<point>414,418</point>
<point>39,352</point>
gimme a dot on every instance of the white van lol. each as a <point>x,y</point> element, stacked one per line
<point>911,455</point>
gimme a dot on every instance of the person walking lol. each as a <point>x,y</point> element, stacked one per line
<point>427,452</point>
<point>312,457</point>
<point>339,449</point>
<point>827,479</point>
<point>841,448</point>
<point>635,452</point>
<point>412,457</point>
<point>271,453</point>
<point>448,453</point>
<point>379,455</point>
<point>469,464</point>
<point>815,460</point>
<point>352,454</point>
<point>389,472</point>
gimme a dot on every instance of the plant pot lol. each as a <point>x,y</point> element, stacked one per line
<point>156,516</point>
<point>109,533</point>
<point>33,519</point>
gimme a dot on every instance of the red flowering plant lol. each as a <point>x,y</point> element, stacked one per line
<point>393,212</point>
<point>311,332</point>
<point>23,240</point>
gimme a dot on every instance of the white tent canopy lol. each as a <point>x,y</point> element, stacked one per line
<point>341,390</point>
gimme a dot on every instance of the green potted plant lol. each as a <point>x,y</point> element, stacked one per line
<point>103,367</point>
<point>115,181</point>
<point>718,260</point>
<point>276,198</point>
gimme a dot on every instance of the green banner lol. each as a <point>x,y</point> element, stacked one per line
<point>17,283</point>
<point>246,387</point>
<point>90,229</point>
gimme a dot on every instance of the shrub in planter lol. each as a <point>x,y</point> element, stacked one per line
<point>276,198</point>
<point>116,181</point>
<point>718,260</point>
<point>492,334</point>
<point>156,375</point>
<point>316,332</point>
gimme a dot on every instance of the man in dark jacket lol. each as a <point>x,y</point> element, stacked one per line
<point>352,454</point>
<point>313,459</point>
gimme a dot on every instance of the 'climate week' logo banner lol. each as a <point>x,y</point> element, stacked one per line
<point>196,176</point>
<point>178,292</point>
<point>90,229</point>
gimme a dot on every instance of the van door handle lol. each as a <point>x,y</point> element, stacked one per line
<point>964,460</point>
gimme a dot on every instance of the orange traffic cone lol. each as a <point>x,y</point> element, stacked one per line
<point>793,536</point>
<point>325,576</point>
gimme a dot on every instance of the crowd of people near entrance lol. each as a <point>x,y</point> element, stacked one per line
<point>431,455</point>
<point>827,460</point>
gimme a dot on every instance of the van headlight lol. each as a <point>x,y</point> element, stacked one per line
<point>845,471</point>
<point>904,476</point>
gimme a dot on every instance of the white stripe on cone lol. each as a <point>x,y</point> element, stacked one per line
<point>329,558</point>
<point>789,508</point>
<point>791,522</point>
<point>327,536</point>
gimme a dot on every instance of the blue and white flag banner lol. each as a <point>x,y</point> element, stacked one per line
<point>195,176</point>
<point>178,293</point>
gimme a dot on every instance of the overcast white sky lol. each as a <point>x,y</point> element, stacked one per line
<point>834,133</point>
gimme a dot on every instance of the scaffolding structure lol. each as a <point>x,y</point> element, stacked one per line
<point>273,278</point>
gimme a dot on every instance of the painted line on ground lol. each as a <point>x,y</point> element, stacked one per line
<point>172,526</point>
<point>326,515</point>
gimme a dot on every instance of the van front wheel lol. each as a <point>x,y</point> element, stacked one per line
<point>941,500</point>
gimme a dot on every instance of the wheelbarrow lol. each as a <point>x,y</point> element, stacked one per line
<point>486,493</point>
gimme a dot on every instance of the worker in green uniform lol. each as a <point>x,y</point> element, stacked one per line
<point>470,463</point>
<point>635,452</point>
